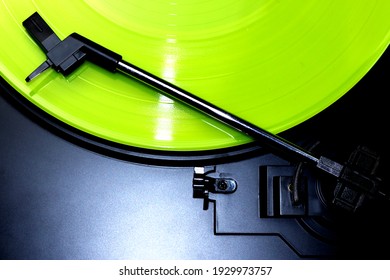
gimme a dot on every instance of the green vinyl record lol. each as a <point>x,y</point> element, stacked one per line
<point>273,63</point>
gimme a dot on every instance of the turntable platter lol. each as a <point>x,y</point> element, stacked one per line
<point>272,63</point>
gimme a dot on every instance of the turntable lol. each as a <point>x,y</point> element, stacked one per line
<point>99,165</point>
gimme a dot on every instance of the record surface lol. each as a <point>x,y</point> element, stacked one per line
<point>272,63</point>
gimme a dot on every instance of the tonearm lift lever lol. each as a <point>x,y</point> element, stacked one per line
<point>354,183</point>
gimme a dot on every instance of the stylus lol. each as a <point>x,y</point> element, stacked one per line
<point>68,54</point>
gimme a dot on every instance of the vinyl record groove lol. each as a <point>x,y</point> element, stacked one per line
<point>273,63</point>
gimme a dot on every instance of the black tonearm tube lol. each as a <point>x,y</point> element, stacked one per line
<point>66,55</point>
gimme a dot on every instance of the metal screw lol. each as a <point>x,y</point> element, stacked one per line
<point>222,185</point>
